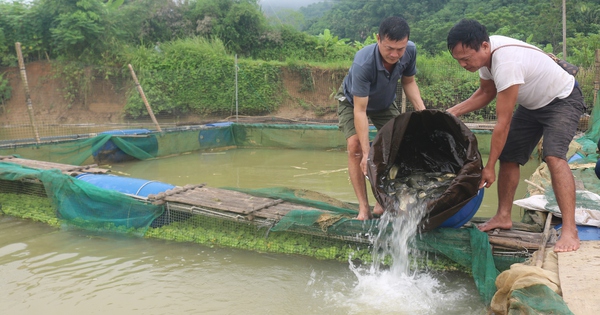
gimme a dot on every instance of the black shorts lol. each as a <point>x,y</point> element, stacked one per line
<point>557,122</point>
<point>346,115</point>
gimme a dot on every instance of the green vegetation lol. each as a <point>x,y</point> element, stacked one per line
<point>184,51</point>
<point>5,91</point>
<point>196,75</point>
<point>23,206</point>
<point>223,233</point>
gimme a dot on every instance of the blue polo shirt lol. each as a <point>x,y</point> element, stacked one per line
<point>368,77</point>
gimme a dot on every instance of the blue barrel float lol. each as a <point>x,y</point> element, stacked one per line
<point>110,153</point>
<point>585,232</point>
<point>131,186</point>
<point>126,185</point>
<point>465,213</point>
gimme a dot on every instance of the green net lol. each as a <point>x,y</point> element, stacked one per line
<point>115,147</point>
<point>589,141</point>
<point>537,299</point>
<point>470,248</point>
<point>84,205</point>
<point>318,137</point>
<point>83,151</point>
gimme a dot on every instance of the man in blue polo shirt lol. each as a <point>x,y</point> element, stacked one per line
<point>369,92</point>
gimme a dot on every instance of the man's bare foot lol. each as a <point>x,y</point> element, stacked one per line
<point>496,222</point>
<point>568,242</point>
<point>378,210</point>
<point>366,215</point>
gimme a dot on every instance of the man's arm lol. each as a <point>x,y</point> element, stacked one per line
<point>361,124</point>
<point>412,92</point>
<point>483,96</point>
<point>505,104</point>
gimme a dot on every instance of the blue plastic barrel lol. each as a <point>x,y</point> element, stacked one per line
<point>126,185</point>
<point>575,157</point>
<point>465,213</point>
<point>585,232</point>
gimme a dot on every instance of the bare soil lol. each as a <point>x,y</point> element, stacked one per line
<point>105,101</point>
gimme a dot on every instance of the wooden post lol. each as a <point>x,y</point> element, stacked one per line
<point>564,29</point>
<point>139,88</point>
<point>542,250</point>
<point>27,94</point>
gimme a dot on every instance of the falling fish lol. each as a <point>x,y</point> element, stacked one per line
<point>416,187</point>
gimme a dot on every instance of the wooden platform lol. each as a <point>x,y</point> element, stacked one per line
<point>232,202</point>
<point>71,170</point>
<point>579,274</point>
<point>244,205</point>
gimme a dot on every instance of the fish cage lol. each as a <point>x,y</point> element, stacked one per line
<point>58,181</point>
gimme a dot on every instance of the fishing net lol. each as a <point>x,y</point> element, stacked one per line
<point>142,144</point>
<point>530,288</point>
<point>76,202</point>
<point>427,141</point>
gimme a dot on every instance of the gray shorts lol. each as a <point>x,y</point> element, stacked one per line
<point>346,115</point>
<point>557,122</point>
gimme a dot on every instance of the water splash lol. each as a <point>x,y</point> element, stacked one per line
<point>393,284</point>
<point>397,231</point>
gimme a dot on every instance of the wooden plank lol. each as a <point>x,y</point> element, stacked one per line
<point>278,211</point>
<point>579,274</point>
<point>516,239</point>
<point>221,199</point>
<point>64,168</point>
<point>513,243</point>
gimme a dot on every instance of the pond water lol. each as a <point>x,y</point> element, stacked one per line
<point>48,271</point>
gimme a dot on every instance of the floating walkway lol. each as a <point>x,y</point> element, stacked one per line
<point>522,240</point>
<point>579,274</point>
<point>70,170</point>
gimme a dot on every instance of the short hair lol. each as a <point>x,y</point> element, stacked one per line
<point>394,28</point>
<point>469,33</point>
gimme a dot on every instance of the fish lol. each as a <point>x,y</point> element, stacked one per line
<point>393,172</point>
<point>416,187</point>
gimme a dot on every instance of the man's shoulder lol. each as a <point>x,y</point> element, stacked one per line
<point>365,52</point>
<point>411,48</point>
<point>499,40</point>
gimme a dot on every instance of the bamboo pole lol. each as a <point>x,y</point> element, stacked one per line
<point>540,255</point>
<point>512,243</point>
<point>564,29</point>
<point>27,94</point>
<point>542,248</point>
<point>139,88</point>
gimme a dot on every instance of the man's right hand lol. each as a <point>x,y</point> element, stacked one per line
<point>363,164</point>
